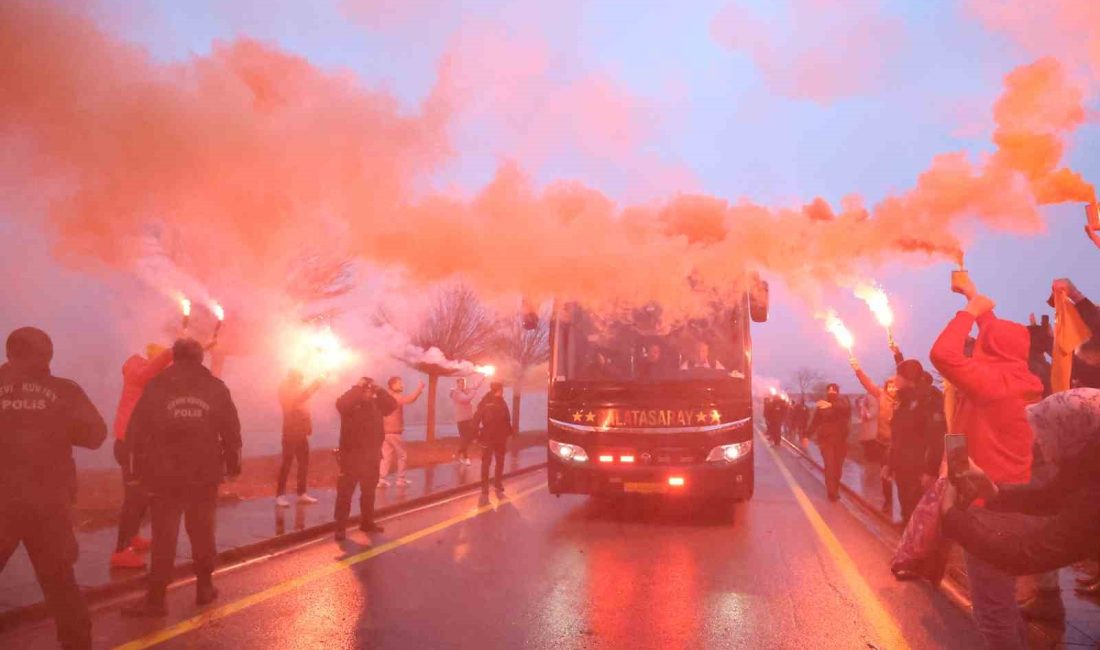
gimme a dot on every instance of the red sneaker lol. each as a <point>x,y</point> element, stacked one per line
<point>140,544</point>
<point>127,559</point>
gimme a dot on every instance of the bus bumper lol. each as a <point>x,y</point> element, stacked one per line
<point>733,480</point>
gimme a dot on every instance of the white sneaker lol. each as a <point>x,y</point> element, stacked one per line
<point>402,481</point>
<point>305,498</point>
<point>282,502</point>
<point>383,483</point>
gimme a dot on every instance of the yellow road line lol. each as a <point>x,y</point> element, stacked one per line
<point>886,629</point>
<point>229,609</point>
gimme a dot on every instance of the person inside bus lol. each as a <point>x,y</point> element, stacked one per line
<point>699,358</point>
<point>652,362</point>
<point>598,367</point>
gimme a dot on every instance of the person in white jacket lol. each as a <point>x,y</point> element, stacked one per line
<point>462,398</point>
<point>394,426</point>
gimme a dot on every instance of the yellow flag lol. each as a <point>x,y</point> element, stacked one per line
<point>1070,331</point>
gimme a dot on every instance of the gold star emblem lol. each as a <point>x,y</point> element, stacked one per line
<point>715,416</point>
<point>590,417</point>
<point>700,417</point>
<point>577,416</point>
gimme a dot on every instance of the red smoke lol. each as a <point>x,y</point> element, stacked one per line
<point>820,50</point>
<point>242,161</point>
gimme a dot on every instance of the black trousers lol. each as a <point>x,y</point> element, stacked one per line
<point>46,531</point>
<point>833,452</point>
<point>775,430</point>
<point>489,451</point>
<point>364,475</point>
<point>909,491</point>
<point>197,507</point>
<point>135,503</point>
<point>466,434</point>
<point>294,449</point>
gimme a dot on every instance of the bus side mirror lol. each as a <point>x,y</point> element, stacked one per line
<point>758,301</point>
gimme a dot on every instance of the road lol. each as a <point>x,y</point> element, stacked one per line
<point>788,570</point>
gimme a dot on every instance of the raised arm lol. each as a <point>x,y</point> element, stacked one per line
<point>411,397</point>
<point>948,355</point>
<point>872,389</point>
<point>351,399</point>
<point>1023,544</point>
<point>898,356</point>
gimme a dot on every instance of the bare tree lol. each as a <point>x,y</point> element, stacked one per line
<point>807,379</point>
<point>314,278</point>
<point>460,326</point>
<point>526,349</point>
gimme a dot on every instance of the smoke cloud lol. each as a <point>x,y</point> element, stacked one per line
<point>820,50</point>
<point>224,172</point>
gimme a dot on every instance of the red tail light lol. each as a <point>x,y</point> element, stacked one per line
<point>607,459</point>
<point>626,459</point>
<point>676,481</point>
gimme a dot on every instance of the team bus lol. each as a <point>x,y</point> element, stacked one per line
<point>640,405</point>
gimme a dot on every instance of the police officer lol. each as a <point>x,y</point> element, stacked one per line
<point>41,418</point>
<point>494,423</point>
<point>184,437</point>
<point>361,410</point>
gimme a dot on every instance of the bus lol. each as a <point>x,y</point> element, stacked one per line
<point>644,403</point>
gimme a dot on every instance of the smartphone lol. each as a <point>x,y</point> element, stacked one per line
<point>958,459</point>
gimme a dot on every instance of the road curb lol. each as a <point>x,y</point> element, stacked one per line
<point>102,593</point>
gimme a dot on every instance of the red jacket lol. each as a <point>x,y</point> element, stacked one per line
<point>136,373</point>
<point>995,387</point>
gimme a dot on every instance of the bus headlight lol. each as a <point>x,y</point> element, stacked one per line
<point>730,453</point>
<point>568,452</point>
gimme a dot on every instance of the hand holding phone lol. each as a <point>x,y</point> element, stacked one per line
<point>958,459</point>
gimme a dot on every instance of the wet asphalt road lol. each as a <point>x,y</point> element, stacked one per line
<point>535,571</point>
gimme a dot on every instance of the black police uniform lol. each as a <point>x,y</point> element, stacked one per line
<point>41,418</point>
<point>494,422</point>
<point>361,435</point>
<point>184,437</point>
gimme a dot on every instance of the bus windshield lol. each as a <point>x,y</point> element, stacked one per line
<point>638,345</point>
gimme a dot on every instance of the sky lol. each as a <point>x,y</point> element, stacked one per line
<point>774,103</point>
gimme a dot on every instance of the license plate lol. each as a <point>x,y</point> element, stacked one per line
<point>645,488</point>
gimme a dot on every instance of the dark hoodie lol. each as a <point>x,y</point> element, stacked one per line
<point>994,386</point>
<point>185,432</point>
<point>492,420</point>
<point>41,418</point>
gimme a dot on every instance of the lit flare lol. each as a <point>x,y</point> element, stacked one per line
<point>488,371</point>
<point>843,335</point>
<point>879,305</point>
<point>185,309</point>
<point>219,313</point>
